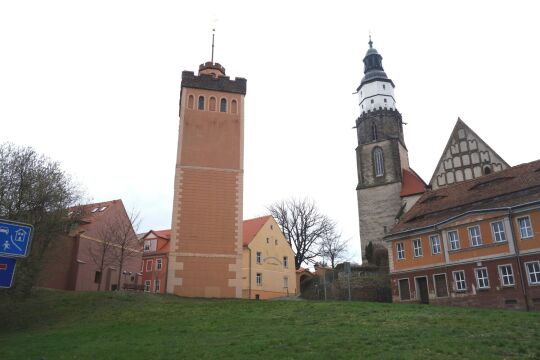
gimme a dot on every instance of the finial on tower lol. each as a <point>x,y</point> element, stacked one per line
<point>370,42</point>
<point>213,34</point>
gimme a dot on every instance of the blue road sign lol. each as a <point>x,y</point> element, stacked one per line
<point>14,238</point>
<point>7,270</point>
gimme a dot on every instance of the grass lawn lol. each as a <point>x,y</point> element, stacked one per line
<point>68,325</point>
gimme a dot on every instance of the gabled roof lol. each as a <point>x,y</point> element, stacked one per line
<point>163,235</point>
<point>507,188</point>
<point>252,226</point>
<point>464,158</point>
<point>412,184</point>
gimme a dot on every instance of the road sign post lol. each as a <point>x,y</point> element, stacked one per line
<point>7,270</point>
<point>15,238</point>
<point>15,241</point>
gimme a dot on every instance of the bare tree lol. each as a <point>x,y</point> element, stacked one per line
<point>102,253</point>
<point>124,239</point>
<point>333,247</point>
<point>303,226</point>
<point>35,190</point>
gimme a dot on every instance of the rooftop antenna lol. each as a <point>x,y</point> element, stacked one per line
<point>213,35</point>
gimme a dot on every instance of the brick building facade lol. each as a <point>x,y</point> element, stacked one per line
<point>474,243</point>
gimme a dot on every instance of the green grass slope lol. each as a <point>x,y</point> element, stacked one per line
<point>67,325</point>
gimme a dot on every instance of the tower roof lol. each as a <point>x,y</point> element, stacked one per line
<point>373,69</point>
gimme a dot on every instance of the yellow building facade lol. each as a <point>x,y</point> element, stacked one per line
<point>267,261</point>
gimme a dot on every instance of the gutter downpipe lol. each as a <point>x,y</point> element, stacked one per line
<point>249,273</point>
<point>518,257</point>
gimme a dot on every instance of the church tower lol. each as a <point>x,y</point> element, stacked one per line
<point>206,238</point>
<point>387,187</point>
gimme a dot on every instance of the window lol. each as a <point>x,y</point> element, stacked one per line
<point>147,285</point>
<point>385,100</point>
<point>533,271</point>
<point>268,240</point>
<point>507,275</point>
<point>459,280</point>
<point>373,132</point>
<point>146,245</point>
<point>474,236</point>
<point>271,227</point>
<point>149,264</point>
<point>482,278</point>
<point>417,247</point>
<point>435,244</point>
<point>404,291</point>
<point>223,105</point>
<point>158,264</point>
<point>95,209</point>
<point>453,239</point>
<point>212,104</point>
<point>285,282</point>
<point>378,161</point>
<point>285,261</point>
<point>97,277</point>
<point>191,100</point>
<point>258,257</point>
<point>400,251</point>
<point>103,208</point>
<point>372,101</point>
<point>383,86</point>
<point>498,231</point>
<point>156,286</point>
<point>525,227</point>
<point>275,242</point>
<point>201,103</point>
<point>259,279</point>
<point>234,107</point>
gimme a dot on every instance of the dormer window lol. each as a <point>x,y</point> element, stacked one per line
<point>95,209</point>
<point>103,208</point>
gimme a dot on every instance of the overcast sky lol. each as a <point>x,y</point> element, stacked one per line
<point>95,85</point>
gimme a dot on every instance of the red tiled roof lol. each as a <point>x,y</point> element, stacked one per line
<point>412,184</point>
<point>509,187</point>
<point>252,227</point>
<point>165,234</point>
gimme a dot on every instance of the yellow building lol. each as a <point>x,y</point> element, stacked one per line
<point>268,269</point>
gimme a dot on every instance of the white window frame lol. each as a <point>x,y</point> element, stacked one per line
<point>258,279</point>
<point>286,282</point>
<point>399,289</point>
<point>475,239</point>
<point>146,245</point>
<point>147,285</point>
<point>536,272</point>
<point>456,281</point>
<point>498,232</point>
<point>479,279</point>
<point>286,262</point>
<point>157,285</point>
<point>450,242</point>
<point>258,257</point>
<point>159,264</point>
<point>433,245</point>
<point>507,275</point>
<point>417,250</point>
<point>151,263</point>
<point>400,252</point>
<point>529,228</point>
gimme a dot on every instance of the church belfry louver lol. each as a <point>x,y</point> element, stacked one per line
<point>386,184</point>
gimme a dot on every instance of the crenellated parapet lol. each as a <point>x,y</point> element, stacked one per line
<point>212,82</point>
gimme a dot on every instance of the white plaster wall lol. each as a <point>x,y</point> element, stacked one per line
<point>377,91</point>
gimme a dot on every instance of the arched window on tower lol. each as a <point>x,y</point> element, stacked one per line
<point>234,107</point>
<point>212,104</point>
<point>374,132</point>
<point>201,103</point>
<point>378,161</point>
<point>223,105</point>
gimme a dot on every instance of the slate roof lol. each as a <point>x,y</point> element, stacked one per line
<point>507,188</point>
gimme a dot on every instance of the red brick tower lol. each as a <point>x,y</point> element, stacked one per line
<point>206,239</point>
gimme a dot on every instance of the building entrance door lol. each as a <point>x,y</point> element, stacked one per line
<point>422,290</point>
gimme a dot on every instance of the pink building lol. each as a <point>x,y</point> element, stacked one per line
<point>87,258</point>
